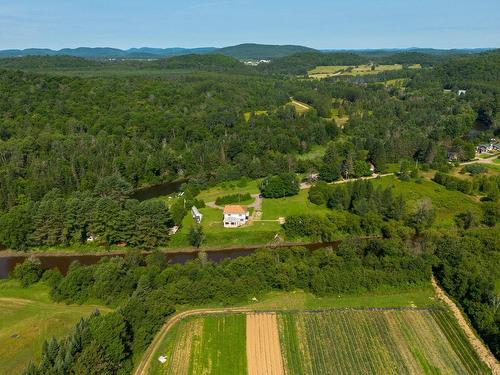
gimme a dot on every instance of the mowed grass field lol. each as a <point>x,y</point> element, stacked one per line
<point>259,232</point>
<point>335,341</point>
<point>27,318</point>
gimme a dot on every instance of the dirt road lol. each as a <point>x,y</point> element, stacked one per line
<point>307,185</point>
<point>489,160</point>
<point>481,349</point>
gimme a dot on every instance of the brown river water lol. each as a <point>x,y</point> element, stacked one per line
<point>63,261</point>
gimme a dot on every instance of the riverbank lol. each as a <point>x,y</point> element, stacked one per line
<point>62,261</point>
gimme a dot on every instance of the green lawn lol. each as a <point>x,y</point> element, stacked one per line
<point>446,202</point>
<point>259,232</point>
<point>27,318</point>
<point>272,209</point>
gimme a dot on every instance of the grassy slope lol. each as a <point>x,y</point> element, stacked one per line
<point>447,203</point>
<point>218,236</point>
<point>229,188</point>
<point>29,314</point>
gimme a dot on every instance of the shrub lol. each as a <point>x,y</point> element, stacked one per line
<point>234,198</point>
<point>28,272</point>
<point>474,169</point>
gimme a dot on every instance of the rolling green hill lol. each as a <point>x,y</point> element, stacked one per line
<point>262,51</point>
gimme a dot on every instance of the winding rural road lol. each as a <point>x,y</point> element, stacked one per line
<point>488,160</point>
<point>481,349</point>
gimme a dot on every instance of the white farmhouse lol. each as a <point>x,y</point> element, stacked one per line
<point>235,216</point>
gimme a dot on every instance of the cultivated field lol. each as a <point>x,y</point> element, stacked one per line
<point>339,341</point>
<point>321,72</point>
<point>263,345</point>
<point>205,345</point>
<point>27,318</point>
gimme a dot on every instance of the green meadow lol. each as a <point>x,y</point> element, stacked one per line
<point>27,319</point>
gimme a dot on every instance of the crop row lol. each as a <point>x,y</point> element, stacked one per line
<point>376,342</point>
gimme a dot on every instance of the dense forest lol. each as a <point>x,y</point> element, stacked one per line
<point>70,132</point>
<point>60,136</point>
<point>77,137</point>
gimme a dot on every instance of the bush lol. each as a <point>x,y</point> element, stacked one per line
<point>474,169</point>
<point>28,272</point>
<point>453,183</point>
<point>234,198</point>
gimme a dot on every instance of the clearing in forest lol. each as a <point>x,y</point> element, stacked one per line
<point>263,345</point>
<point>321,72</point>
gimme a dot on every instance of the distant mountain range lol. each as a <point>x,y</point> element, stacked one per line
<point>241,52</point>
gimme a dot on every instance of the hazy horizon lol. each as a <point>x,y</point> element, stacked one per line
<point>320,24</point>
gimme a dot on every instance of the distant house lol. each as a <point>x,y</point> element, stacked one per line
<point>197,215</point>
<point>461,92</point>
<point>481,149</point>
<point>235,216</point>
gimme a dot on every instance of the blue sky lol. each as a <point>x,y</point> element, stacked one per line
<point>196,23</point>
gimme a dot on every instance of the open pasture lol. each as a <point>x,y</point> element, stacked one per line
<point>27,319</point>
<point>321,72</point>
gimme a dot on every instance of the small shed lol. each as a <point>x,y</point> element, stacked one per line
<point>197,215</point>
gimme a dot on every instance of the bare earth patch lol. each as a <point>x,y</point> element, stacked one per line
<point>263,345</point>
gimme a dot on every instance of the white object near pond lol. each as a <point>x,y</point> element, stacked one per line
<point>162,359</point>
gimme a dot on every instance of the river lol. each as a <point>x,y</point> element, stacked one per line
<point>63,261</point>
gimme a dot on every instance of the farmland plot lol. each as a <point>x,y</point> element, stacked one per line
<point>205,345</point>
<point>376,342</point>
